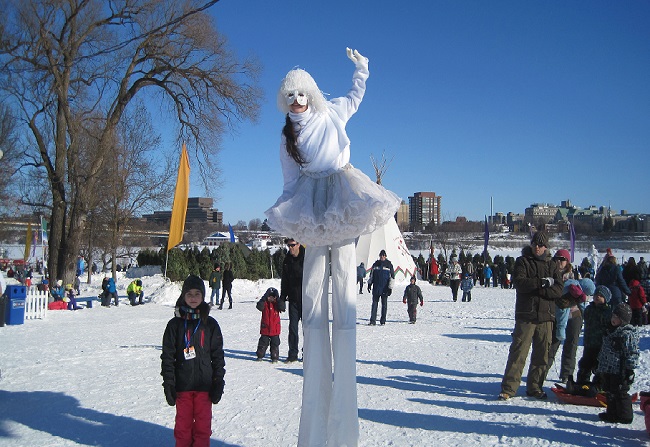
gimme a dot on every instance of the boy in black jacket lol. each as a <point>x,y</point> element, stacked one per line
<point>413,294</point>
<point>193,364</point>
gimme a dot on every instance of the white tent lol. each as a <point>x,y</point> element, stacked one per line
<point>390,239</point>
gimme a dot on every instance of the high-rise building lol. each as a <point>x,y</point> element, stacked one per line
<point>199,209</point>
<point>424,209</point>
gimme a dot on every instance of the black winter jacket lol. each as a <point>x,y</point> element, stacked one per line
<point>535,304</point>
<point>196,374</point>
<point>291,282</point>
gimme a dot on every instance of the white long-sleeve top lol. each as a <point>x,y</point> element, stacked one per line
<point>322,140</point>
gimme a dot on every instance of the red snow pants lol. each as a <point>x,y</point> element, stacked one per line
<point>645,407</point>
<point>193,419</point>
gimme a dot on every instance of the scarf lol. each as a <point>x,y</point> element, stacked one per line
<point>187,313</point>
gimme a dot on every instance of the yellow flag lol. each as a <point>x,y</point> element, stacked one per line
<point>28,242</point>
<point>179,209</point>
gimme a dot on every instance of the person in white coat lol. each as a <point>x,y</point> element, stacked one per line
<point>326,203</point>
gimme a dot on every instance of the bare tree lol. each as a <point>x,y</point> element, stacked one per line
<point>73,65</point>
<point>380,166</point>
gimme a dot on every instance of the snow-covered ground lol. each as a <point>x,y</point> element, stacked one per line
<point>92,377</point>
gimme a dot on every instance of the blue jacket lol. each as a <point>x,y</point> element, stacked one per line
<point>111,286</point>
<point>610,275</point>
<point>381,277</point>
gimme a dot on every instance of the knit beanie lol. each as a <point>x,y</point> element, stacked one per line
<point>587,286</point>
<point>563,254</point>
<point>382,253</point>
<point>604,292</point>
<point>624,312</point>
<point>540,238</point>
<point>193,282</point>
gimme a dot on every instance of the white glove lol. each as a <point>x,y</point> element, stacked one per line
<point>356,57</point>
<point>547,282</point>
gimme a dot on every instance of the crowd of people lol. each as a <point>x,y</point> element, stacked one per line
<point>550,308</point>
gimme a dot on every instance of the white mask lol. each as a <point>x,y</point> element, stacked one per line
<point>296,96</point>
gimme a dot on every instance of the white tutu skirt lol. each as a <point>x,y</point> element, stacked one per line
<point>326,210</point>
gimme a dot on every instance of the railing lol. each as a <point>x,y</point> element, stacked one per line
<point>36,303</point>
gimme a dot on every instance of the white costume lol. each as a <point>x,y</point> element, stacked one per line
<point>326,203</point>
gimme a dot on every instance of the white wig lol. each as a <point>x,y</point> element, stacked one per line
<point>298,79</point>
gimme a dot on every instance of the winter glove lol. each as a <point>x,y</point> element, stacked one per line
<point>388,293</point>
<point>368,288</point>
<point>357,58</point>
<point>629,377</point>
<point>170,394</point>
<point>404,300</point>
<point>421,303</point>
<point>216,391</point>
<point>547,282</point>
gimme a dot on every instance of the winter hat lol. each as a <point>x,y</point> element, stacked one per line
<point>609,253</point>
<point>568,283</point>
<point>624,312</point>
<point>193,282</point>
<point>301,81</point>
<point>413,278</point>
<point>604,292</point>
<point>563,254</point>
<point>587,286</point>
<point>540,238</point>
<point>382,253</point>
<point>271,291</point>
<point>59,282</point>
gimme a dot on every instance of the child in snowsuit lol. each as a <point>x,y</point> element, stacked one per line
<point>413,294</point>
<point>596,320</point>
<point>193,365</point>
<point>70,298</point>
<point>270,305</point>
<point>637,300</point>
<point>617,360</point>
<point>466,286</point>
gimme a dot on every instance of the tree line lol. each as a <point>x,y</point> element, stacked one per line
<point>80,80</point>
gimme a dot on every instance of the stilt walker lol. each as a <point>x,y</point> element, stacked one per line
<point>326,203</point>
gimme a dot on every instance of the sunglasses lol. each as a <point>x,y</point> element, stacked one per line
<point>561,258</point>
<point>291,245</point>
<point>540,245</point>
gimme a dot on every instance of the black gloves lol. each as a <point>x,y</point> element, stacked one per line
<point>547,282</point>
<point>170,394</point>
<point>389,292</point>
<point>629,376</point>
<point>216,391</point>
<point>368,288</point>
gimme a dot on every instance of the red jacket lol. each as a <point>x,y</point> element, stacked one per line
<point>270,324</point>
<point>637,298</point>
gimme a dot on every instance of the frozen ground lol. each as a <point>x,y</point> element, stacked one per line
<point>92,377</point>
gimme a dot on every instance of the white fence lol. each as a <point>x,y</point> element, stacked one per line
<point>35,303</point>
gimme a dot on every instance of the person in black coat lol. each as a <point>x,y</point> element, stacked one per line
<point>193,364</point>
<point>226,282</point>
<point>291,291</point>
<point>610,276</point>
<point>381,281</point>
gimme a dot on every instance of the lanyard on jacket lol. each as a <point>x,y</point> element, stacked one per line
<point>188,337</point>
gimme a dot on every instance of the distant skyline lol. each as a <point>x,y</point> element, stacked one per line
<point>524,102</point>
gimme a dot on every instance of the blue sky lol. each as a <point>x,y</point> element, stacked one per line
<point>517,100</point>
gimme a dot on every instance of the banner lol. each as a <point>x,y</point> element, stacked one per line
<point>232,233</point>
<point>179,208</point>
<point>573,240</point>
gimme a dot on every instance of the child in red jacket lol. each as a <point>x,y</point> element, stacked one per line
<point>270,305</point>
<point>637,300</point>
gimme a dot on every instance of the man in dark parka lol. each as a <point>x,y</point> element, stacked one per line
<point>538,283</point>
